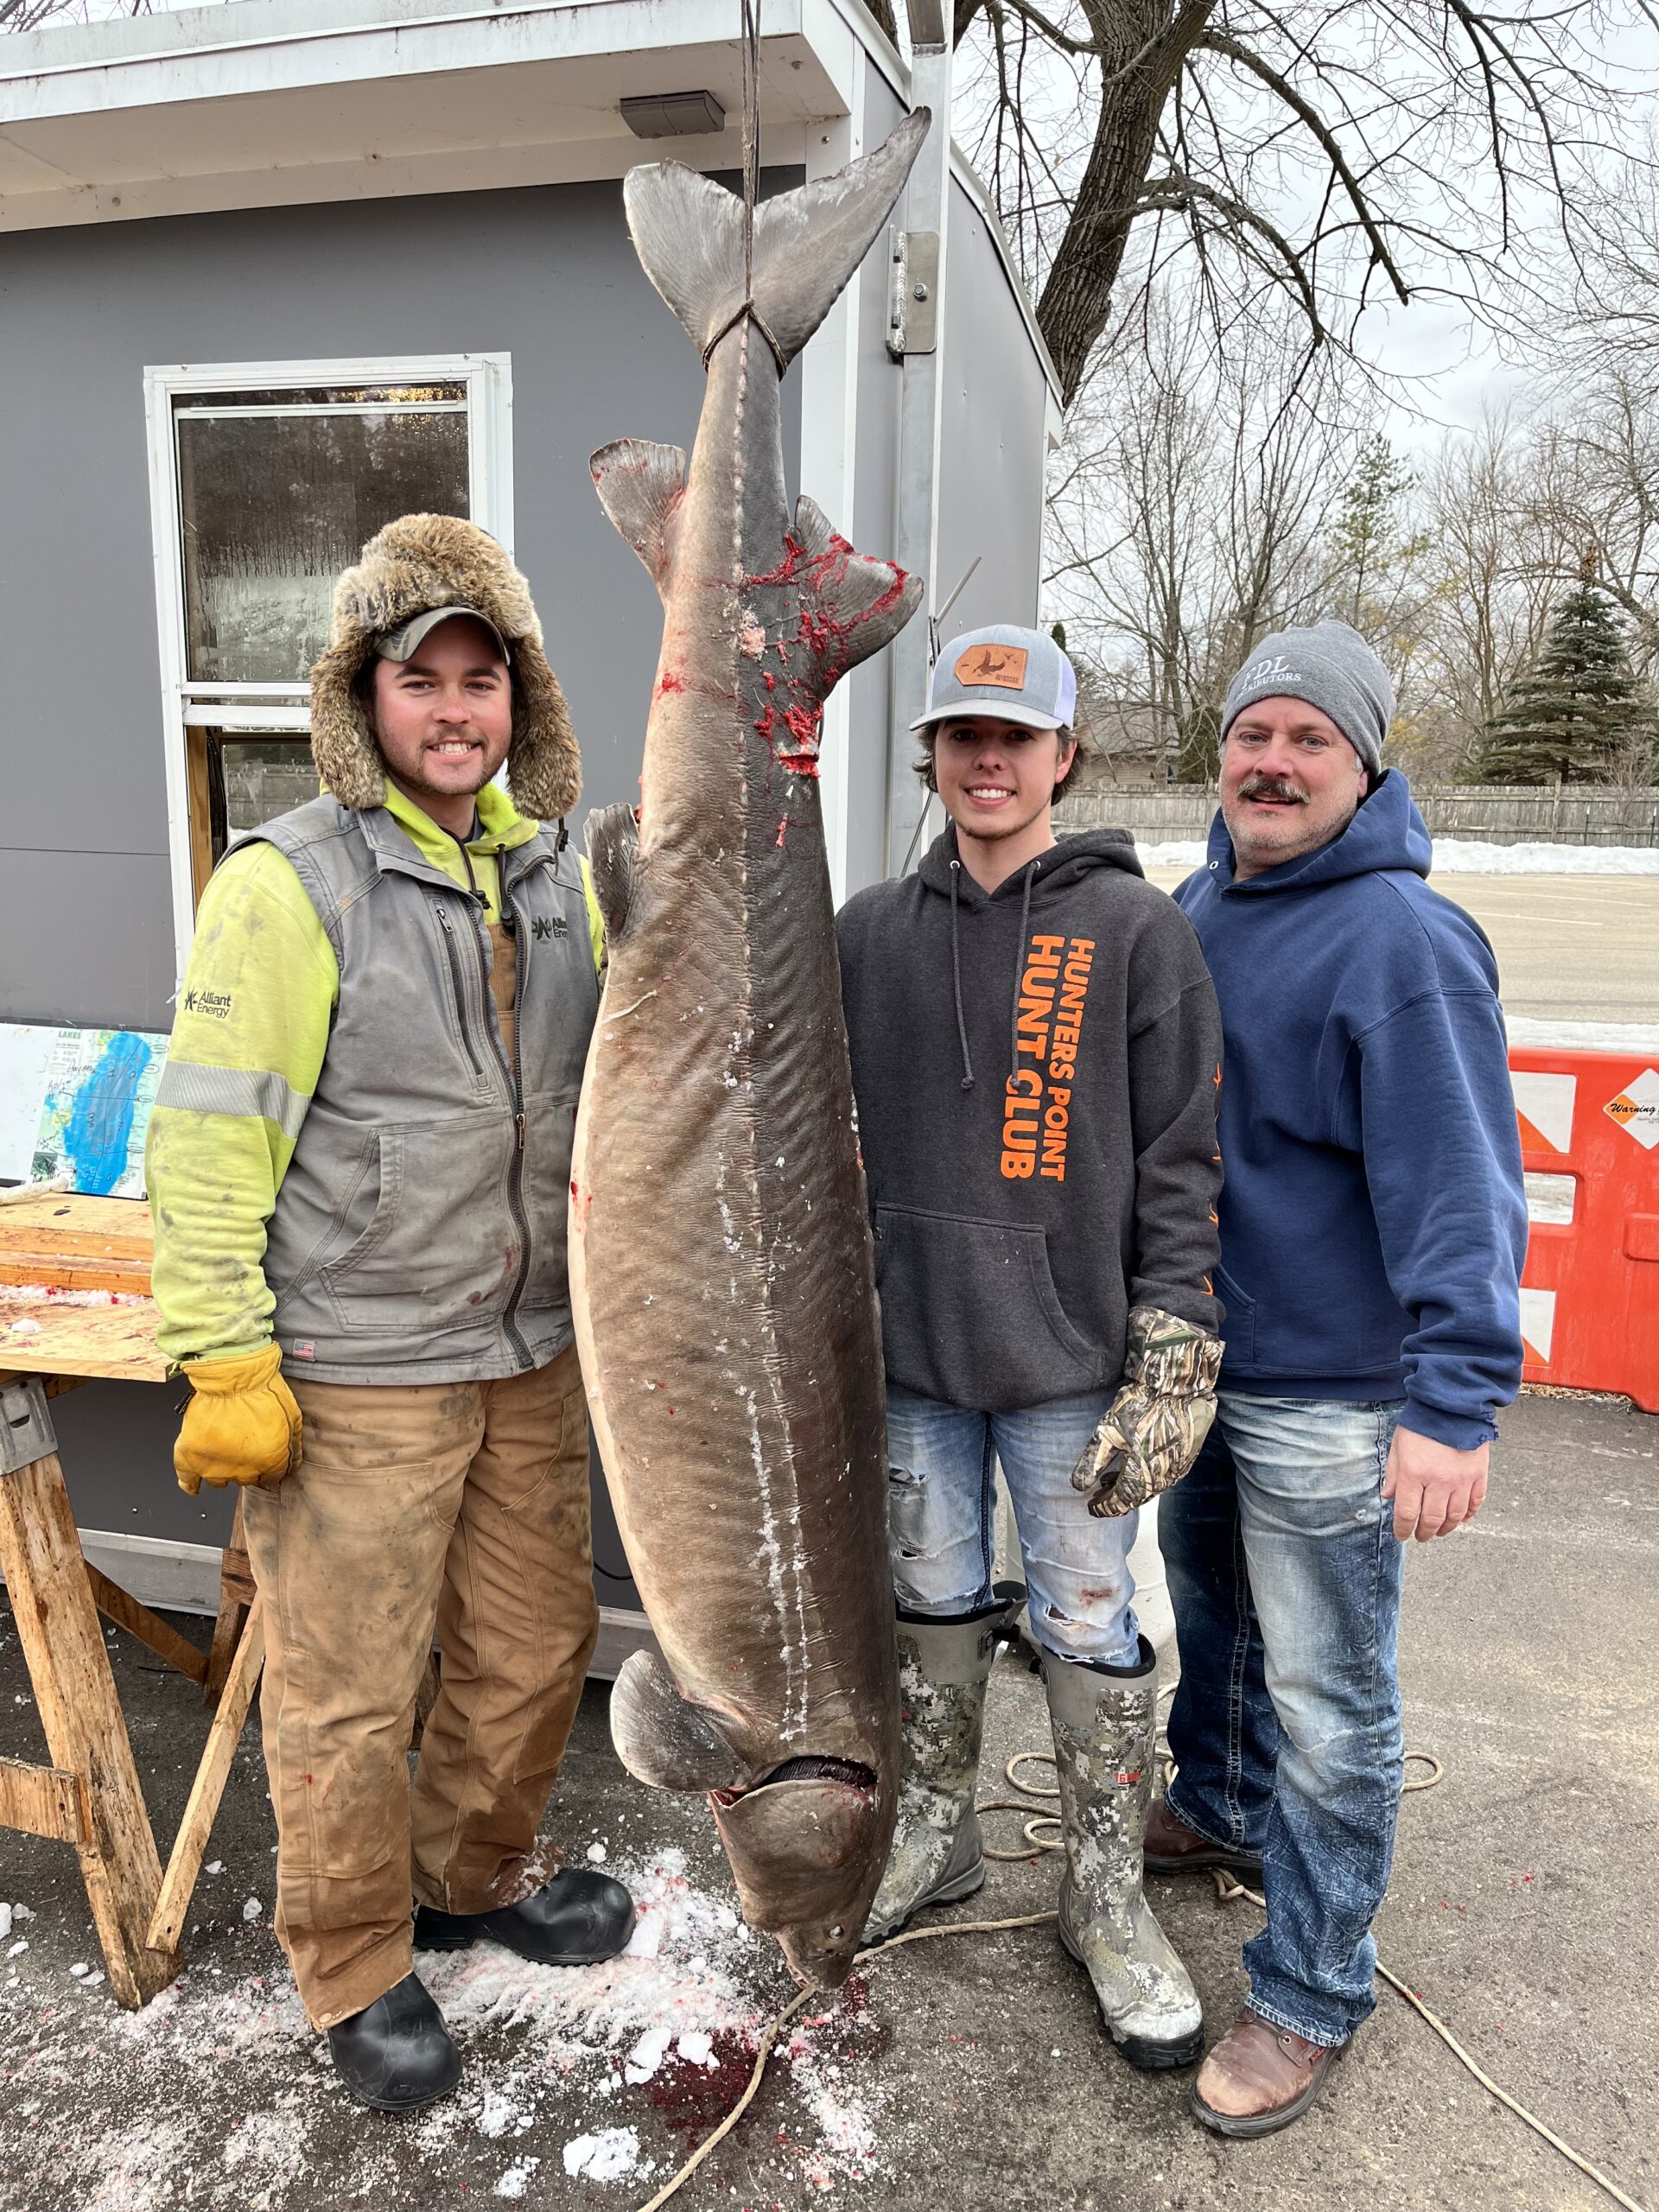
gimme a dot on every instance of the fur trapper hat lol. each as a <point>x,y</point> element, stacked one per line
<point>413,564</point>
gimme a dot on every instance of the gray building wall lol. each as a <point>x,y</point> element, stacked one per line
<point>992,464</point>
<point>547,274</point>
<point>86,914</point>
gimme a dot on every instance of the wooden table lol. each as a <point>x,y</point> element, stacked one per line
<point>89,1795</point>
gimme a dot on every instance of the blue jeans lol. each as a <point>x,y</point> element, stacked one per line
<point>940,1462</point>
<point>1285,1576</point>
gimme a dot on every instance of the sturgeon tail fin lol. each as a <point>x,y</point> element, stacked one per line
<point>688,232</point>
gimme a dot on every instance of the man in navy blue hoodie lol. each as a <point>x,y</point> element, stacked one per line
<point>1373,1227</point>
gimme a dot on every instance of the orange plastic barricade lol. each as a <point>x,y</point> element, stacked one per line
<point>1589,1289</point>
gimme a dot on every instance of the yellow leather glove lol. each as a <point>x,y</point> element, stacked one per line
<point>242,1424</point>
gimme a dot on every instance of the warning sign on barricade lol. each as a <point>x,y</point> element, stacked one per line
<point>1590,1290</point>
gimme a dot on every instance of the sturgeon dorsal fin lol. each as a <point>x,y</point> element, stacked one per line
<point>662,1739</point>
<point>613,836</point>
<point>640,485</point>
<point>688,232</point>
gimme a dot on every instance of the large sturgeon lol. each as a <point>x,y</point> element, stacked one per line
<point>720,1249</point>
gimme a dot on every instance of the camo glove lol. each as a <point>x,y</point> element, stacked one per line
<point>242,1424</point>
<point>1150,1434</point>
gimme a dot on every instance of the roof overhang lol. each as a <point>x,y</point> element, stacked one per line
<point>293,102</point>
<point>263,103</point>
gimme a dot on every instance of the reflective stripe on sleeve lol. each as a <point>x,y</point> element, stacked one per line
<point>252,1094</point>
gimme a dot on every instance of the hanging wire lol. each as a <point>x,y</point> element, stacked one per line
<point>751,42</point>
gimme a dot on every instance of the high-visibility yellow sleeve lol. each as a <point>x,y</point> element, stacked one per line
<point>248,1040</point>
<point>595,920</point>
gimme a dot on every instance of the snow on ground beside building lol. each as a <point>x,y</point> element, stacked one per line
<point>1469,856</point>
<point>611,2073</point>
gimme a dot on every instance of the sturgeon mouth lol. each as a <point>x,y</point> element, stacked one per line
<point>849,1772</point>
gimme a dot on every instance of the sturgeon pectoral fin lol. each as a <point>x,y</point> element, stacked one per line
<point>640,486</point>
<point>862,603</point>
<point>613,837</point>
<point>663,1740</point>
<point>688,232</point>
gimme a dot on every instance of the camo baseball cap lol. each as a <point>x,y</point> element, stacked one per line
<point>402,643</point>
<point>1014,675</point>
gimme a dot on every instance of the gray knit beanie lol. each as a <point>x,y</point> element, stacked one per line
<point>1333,669</point>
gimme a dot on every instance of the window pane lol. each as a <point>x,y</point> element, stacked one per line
<point>265,776</point>
<point>274,506</point>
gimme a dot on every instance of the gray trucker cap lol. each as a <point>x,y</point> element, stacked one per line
<point>406,639</point>
<point>1017,675</point>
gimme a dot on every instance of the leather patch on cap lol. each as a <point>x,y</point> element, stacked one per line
<point>1002,666</point>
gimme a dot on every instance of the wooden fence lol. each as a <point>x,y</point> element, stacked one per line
<point>1495,814</point>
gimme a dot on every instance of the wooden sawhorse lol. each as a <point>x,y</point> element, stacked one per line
<point>89,1795</point>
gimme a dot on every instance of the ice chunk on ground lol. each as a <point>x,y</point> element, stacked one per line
<point>648,2054</point>
<point>597,1854</point>
<point>516,2180</point>
<point>605,2157</point>
<point>252,1909</point>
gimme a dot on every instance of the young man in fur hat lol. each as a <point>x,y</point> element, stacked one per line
<point>1034,1045</point>
<point>358,1167</point>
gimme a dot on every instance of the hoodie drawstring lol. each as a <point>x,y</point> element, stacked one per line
<point>1018,971</point>
<point>956,977</point>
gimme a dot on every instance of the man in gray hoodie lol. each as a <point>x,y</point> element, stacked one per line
<point>1035,1052</point>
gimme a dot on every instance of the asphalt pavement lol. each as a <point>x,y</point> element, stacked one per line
<point>968,2073</point>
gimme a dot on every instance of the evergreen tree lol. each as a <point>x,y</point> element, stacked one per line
<point>1572,716</point>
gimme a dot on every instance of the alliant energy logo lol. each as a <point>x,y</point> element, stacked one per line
<point>1037,1110</point>
<point>1637,1109</point>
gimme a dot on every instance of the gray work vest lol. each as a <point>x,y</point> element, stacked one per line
<point>419,1234</point>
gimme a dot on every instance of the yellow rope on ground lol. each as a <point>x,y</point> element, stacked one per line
<point>1227,1890</point>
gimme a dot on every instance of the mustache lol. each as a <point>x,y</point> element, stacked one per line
<point>1272,787</point>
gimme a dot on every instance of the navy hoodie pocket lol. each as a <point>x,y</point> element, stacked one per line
<point>970,1316</point>
<point>1238,1328</point>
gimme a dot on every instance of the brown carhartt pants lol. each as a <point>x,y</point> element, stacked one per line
<point>462,1505</point>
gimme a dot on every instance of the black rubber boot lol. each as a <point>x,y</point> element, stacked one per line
<point>578,1918</point>
<point>396,2054</point>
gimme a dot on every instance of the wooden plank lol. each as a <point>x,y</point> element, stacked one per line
<point>236,1594</point>
<point>23,1269</point>
<point>42,1800</point>
<point>85,1734</point>
<point>190,1844</point>
<point>79,1215</point>
<point>113,1602</point>
<point>71,1242</point>
<point>43,1335</point>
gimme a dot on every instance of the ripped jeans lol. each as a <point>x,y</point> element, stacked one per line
<point>940,1461</point>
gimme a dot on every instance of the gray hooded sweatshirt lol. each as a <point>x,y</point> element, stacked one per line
<point>1036,1069</point>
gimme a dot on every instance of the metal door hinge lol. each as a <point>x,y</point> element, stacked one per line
<point>912,293</point>
<point>26,1430</point>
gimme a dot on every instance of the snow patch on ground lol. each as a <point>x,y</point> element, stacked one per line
<point>605,2157</point>
<point>1468,857</point>
<point>219,2091</point>
<point>1635,1037</point>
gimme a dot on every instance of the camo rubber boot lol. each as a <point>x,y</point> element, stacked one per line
<point>937,1856</point>
<point>1105,1720</point>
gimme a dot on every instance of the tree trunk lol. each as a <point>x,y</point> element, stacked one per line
<point>1073,310</point>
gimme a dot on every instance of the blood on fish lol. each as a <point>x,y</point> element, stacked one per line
<point>669,682</point>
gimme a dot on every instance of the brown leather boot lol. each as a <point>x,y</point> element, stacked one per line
<point>1173,1849</point>
<point>1259,2078</point>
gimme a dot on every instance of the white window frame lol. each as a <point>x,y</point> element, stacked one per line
<point>487,379</point>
